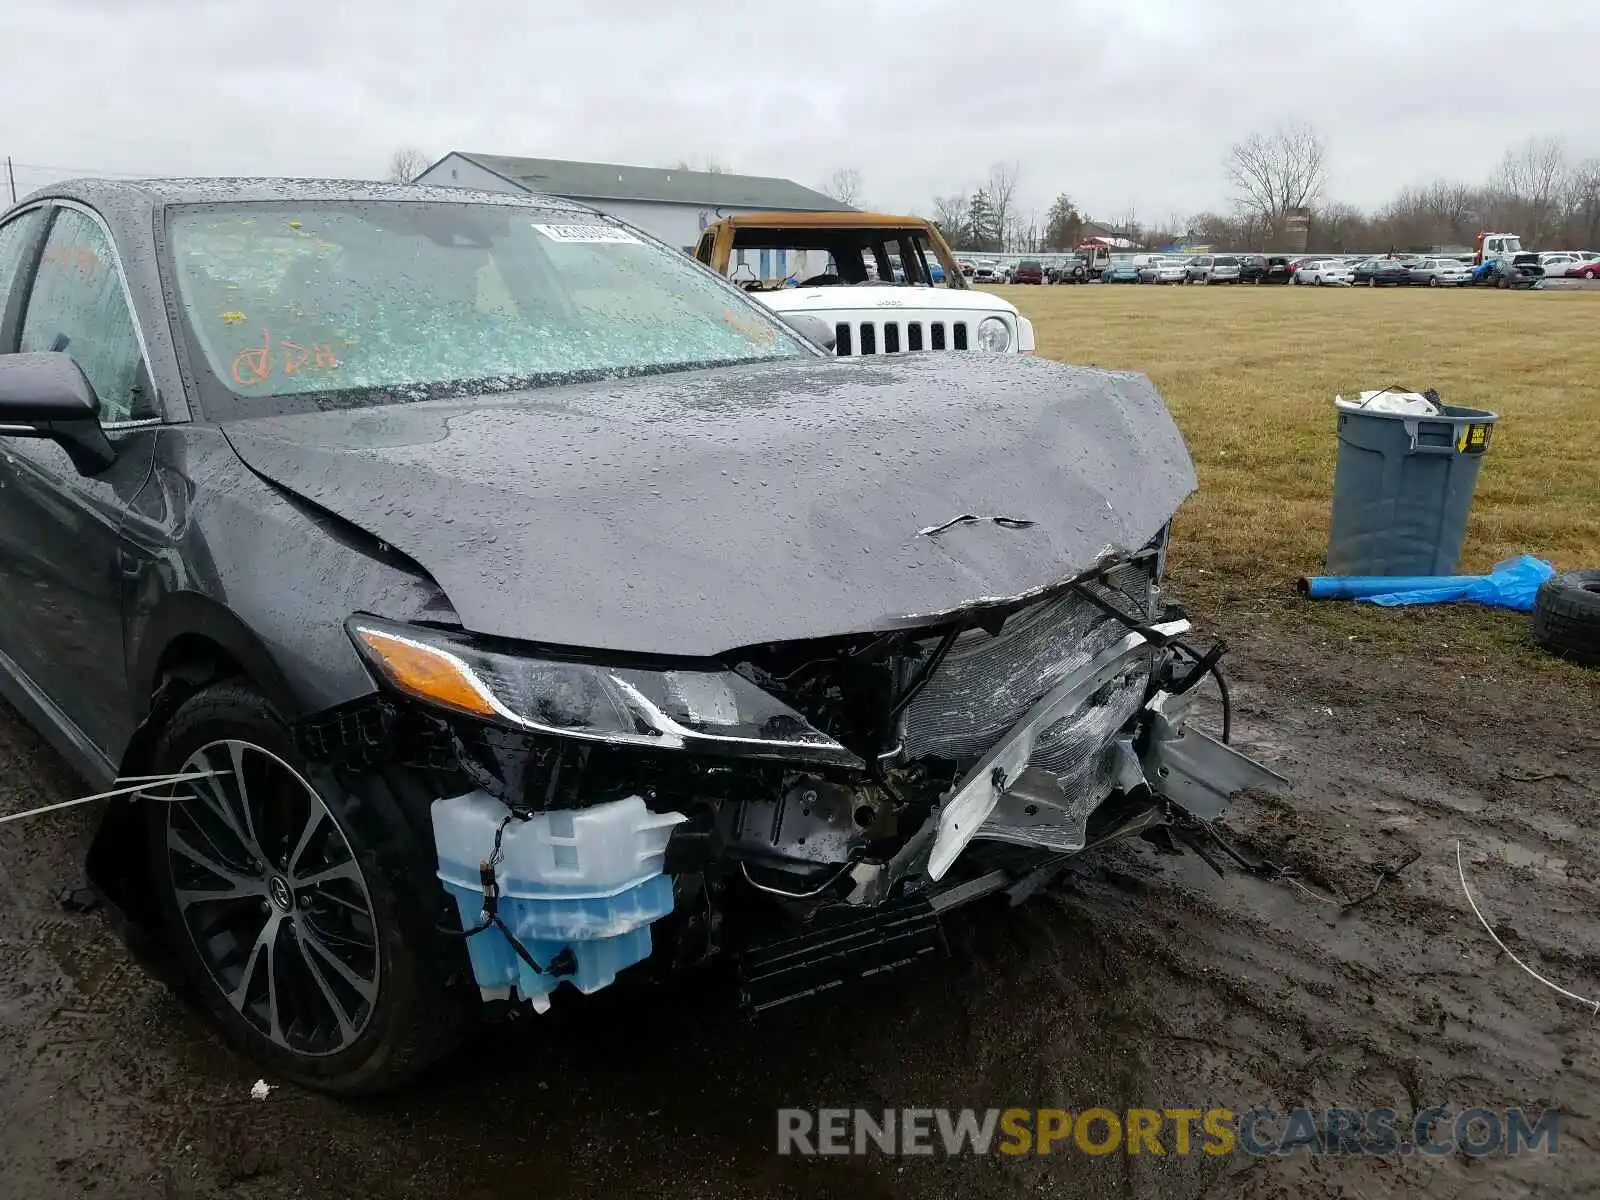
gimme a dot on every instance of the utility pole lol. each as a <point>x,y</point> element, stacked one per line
<point>11,178</point>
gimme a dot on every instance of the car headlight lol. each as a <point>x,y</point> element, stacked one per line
<point>994,335</point>
<point>716,711</point>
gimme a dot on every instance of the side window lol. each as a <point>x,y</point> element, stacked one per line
<point>77,305</point>
<point>703,250</point>
<point>14,238</point>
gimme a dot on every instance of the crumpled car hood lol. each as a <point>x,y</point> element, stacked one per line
<point>698,512</point>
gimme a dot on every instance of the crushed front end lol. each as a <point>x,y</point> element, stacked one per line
<point>810,808</point>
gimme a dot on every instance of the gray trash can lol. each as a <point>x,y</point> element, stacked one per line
<point>1402,489</point>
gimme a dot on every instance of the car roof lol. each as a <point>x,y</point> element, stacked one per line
<point>162,192</point>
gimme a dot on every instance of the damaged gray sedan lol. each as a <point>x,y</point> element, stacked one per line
<point>522,606</point>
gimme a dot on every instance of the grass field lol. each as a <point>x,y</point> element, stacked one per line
<point>1250,374</point>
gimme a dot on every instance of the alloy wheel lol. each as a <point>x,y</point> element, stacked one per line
<point>273,899</point>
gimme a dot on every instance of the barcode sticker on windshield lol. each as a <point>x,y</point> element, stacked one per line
<point>587,233</point>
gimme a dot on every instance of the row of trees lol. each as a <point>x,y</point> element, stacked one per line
<point>1537,190</point>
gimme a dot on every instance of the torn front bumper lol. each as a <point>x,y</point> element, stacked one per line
<point>1005,769</point>
<point>1009,796</point>
<point>1006,797</point>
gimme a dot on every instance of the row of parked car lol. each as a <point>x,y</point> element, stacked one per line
<point>1325,270</point>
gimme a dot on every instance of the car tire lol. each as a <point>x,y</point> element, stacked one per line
<point>404,995</point>
<point>1566,616</point>
<point>1433,281</point>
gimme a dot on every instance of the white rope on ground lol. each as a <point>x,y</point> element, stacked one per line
<point>1594,1005</point>
<point>141,782</point>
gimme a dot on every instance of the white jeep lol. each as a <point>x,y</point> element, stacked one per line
<point>881,284</point>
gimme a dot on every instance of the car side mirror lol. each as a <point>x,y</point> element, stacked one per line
<point>813,328</point>
<point>47,395</point>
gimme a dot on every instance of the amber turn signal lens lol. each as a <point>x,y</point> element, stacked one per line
<point>425,672</point>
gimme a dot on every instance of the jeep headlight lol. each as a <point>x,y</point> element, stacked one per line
<point>994,335</point>
<point>716,711</point>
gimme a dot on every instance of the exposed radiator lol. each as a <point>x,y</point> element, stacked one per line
<point>986,683</point>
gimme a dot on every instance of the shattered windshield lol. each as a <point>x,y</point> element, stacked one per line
<point>385,301</point>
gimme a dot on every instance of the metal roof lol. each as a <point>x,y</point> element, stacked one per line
<point>613,181</point>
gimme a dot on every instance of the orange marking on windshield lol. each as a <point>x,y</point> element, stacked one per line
<point>294,357</point>
<point>751,327</point>
<point>256,364</point>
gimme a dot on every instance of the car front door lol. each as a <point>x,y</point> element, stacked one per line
<point>61,562</point>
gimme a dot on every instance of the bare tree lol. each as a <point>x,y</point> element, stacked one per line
<point>953,216</point>
<point>844,185</point>
<point>1339,227</point>
<point>1163,233</point>
<point>1530,182</point>
<point>1215,230</point>
<point>950,212</point>
<point>1454,208</point>
<point>1001,194</point>
<point>1276,172</point>
<point>1027,239</point>
<point>1408,219</point>
<point>406,163</point>
<point>1583,203</point>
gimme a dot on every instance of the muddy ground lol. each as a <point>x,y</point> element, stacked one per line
<point>1141,981</point>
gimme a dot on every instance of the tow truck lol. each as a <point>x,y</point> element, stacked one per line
<point>1500,261</point>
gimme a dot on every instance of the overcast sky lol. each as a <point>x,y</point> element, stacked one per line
<point>1120,103</point>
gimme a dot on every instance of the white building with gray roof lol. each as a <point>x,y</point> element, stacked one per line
<point>673,205</point>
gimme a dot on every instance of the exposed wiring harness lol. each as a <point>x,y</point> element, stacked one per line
<point>1208,664</point>
<point>1205,664</point>
<point>564,963</point>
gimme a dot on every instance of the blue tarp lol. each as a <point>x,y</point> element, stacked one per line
<point>1512,584</point>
